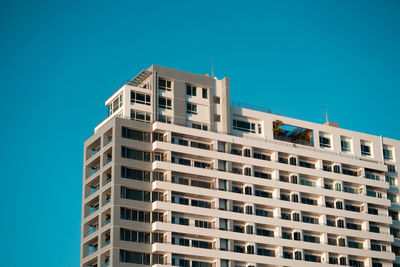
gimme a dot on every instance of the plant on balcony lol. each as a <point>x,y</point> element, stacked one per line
<point>304,136</point>
<point>277,127</point>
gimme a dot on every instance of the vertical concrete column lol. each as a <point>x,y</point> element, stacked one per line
<point>325,257</point>
<point>275,175</point>
<point>168,137</point>
<point>320,183</point>
<point>277,213</point>
<point>322,219</point>
<point>168,258</point>
<point>278,231</point>
<point>368,262</point>
<point>274,156</point>
<point>365,226</point>
<point>324,238</point>
<point>276,193</point>
<point>168,176</point>
<point>279,252</point>
<point>319,165</point>
<point>321,201</point>
<point>367,244</point>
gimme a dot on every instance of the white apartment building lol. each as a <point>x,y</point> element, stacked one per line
<point>177,175</point>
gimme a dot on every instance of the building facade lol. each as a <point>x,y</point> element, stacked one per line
<point>177,175</point>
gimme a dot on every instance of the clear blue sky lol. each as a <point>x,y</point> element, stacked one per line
<point>60,60</point>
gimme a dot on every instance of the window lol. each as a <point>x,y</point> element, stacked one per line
<point>134,257</point>
<point>336,169</point>
<point>135,174</point>
<point>217,100</point>
<point>200,126</point>
<point>345,144</point>
<point>164,103</point>
<point>217,118</point>
<point>202,224</point>
<point>134,215</point>
<point>190,90</point>
<point>140,98</point>
<point>134,194</point>
<point>135,154</point>
<point>115,105</point>
<point>244,126</point>
<point>179,220</point>
<point>387,152</point>
<point>392,197</point>
<point>165,119</point>
<point>391,180</point>
<point>204,93</point>
<point>164,84</point>
<point>140,116</point>
<point>134,236</point>
<point>365,148</point>
<point>191,108</point>
<point>135,135</point>
<point>391,168</point>
<point>324,141</point>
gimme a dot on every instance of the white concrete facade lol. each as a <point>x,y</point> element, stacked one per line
<point>177,176</point>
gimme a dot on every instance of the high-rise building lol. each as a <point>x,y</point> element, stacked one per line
<point>178,175</point>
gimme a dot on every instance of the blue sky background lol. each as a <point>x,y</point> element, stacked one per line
<point>60,60</point>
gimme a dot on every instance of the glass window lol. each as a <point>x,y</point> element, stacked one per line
<point>191,90</point>
<point>191,108</point>
<point>204,91</point>
<point>164,103</point>
<point>140,98</point>
<point>388,152</point>
<point>345,144</point>
<point>164,84</point>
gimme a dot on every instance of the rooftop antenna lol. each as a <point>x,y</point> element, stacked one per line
<point>212,67</point>
<point>326,114</point>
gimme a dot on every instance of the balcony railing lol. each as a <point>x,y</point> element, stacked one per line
<point>107,181</point>
<point>106,264</point>
<point>108,141</point>
<point>108,161</point>
<point>106,243</point>
<point>93,210</point>
<point>93,171</point>
<point>91,231</point>
<point>106,202</point>
<point>91,251</point>
<point>107,222</point>
<point>93,190</point>
<point>94,152</point>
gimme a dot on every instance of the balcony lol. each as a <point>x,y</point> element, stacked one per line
<point>108,141</point>
<point>94,152</point>
<point>92,191</point>
<point>91,251</point>
<point>108,161</point>
<point>107,221</point>
<point>93,171</point>
<point>91,231</point>
<point>107,242</point>
<point>106,201</point>
<point>92,210</point>
<point>107,181</point>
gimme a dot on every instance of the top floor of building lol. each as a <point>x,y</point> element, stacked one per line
<point>203,102</point>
